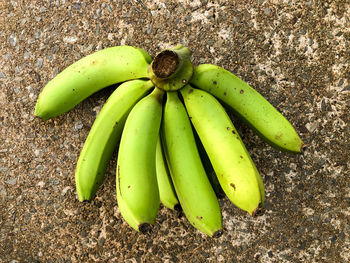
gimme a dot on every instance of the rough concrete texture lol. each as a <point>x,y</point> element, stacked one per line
<point>296,53</point>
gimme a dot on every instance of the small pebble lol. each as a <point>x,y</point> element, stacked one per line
<point>78,125</point>
<point>76,6</point>
<point>39,63</point>
<point>3,169</point>
<point>65,190</point>
<point>70,40</point>
<point>12,181</point>
<point>37,34</point>
<point>13,40</point>
<point>27,54</point>
<point>267,11</point>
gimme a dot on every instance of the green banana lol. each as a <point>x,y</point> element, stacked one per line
<point>235,169</point>
<point>88,75</point>
<point>136,179</point>
<point>166,189</point>
<point>249,105</point>
<point>104,136</point>
<point>208,167</point>
<point>192,186</point>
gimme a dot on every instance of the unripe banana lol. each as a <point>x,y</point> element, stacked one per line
<point>233,166</point>
<point>192,186</point>
<point>166,189</point>
<point>208,167</point>
<point>137,187</point>
<point>104,136</point>
<point>88,75</point>
<point>248,104</point>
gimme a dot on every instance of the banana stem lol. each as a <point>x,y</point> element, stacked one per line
<point>171,69</point>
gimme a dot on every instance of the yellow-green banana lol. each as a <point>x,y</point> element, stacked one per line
<point>88,75</point>
<point>208,167</point>
<point>248,104</point>
<point>105,135</point>
<point>166,189</point>
<point>136,181</point>
<point>196,196</point>
<point>233,166</point>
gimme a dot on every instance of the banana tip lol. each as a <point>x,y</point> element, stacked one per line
<point>259,211</point>
<point>178,208</point>
<point>145,228</point>
<point>303,148</point>
<point>218,233</point>
<point>39,114</point>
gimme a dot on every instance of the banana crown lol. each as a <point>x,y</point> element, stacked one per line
<point>182,151</point>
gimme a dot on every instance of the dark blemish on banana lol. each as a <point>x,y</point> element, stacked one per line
<point>241,156</point>
<point>214,82</point>
<point>73,89</point>
<point>199,217</point>
<point>233,132</point>
<point>233,186</point>
<point>225,93</point>
<point>129,186</point>
<point>159,98</point>
<point>237,138</point>
<point>228,128</point>
<point>118,171</point>
<point>279,136</point>
<point>241,91</point>
<point>190,91</point>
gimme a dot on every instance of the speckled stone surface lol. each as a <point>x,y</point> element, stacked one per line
<point>296,53</point>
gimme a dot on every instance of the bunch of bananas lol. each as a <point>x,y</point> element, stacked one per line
<point>180,149</point>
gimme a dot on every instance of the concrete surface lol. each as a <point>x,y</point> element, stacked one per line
<point>296,53</point>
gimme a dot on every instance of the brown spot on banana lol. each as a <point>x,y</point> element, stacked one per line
<point>118,172</point>
<point>278,136</point>
<point>233,186</point>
